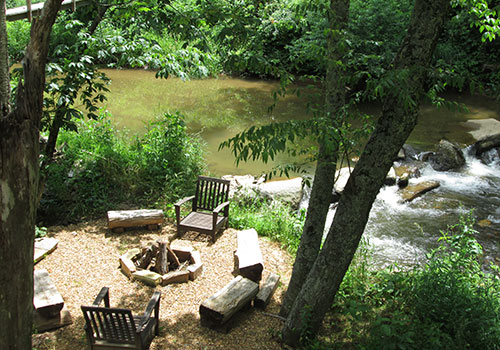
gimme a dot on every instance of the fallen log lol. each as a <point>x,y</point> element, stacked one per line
<point>250,263</point>
<point>119,219</point>
<point>220,307</point>
<point>266,291</point>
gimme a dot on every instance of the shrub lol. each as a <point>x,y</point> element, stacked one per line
<point>99,170</point>
<point>448,303</point>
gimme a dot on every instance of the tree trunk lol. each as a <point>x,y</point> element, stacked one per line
<point>398,119</point>
<point>55,127</point>
<point>321,191</point>
<point>101,11</point>
<point>19,168</point>
<point>4,64</point>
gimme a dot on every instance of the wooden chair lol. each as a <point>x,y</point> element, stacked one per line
<point>111,328</point>
<point>210,207</point>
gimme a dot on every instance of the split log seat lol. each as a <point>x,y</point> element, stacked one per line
<point>248,255</point>
<point>220,307</point>
<point>46,299</point>
<point>48,303</point>
<point>266,291</point>
<point>118,220</point>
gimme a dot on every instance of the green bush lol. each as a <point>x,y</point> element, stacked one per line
<point>18,34</point>
<point>98,170</point>
<point>448,303</point>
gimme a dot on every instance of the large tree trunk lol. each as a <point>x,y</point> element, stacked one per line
<point>4,64</point>
<point>398,119</point>
<point>19,168</point>
<point>321,191</point>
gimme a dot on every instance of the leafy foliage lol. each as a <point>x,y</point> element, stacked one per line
<point>449,303</point>
<point>98,170</point>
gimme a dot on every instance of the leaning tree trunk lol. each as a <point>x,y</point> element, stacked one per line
<point>321,191</point>
<point>19,152</point>
<point>399,117</point>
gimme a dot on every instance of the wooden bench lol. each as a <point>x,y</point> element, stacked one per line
<point>220,307</point>
<point>118,220</point>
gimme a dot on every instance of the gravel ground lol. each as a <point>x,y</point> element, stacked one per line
<point>87,259</point>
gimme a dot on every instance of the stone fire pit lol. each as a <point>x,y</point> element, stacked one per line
<point>160,263</point>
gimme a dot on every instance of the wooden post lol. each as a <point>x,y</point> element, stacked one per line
<point>28,5</point>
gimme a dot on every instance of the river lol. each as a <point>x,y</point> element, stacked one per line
<point>219,108</point>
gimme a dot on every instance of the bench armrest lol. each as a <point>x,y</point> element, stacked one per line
<point>153,305</point>
<point>103,294</point>
<point>220,207</point>
<point>215,212</point>
<point>183,200</point>
<point>178,208</point>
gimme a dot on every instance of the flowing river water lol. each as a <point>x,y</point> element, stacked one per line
<point>219,108</point>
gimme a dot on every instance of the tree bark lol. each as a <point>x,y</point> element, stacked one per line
<point>4,64</point>
<point>398,119</point>
<point>321,191</point>
<point>19,168</point>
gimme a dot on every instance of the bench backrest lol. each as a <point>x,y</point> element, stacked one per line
<point>109,325</point>
<point>210,192</point>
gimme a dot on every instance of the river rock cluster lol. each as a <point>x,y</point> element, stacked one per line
<point>448,156</point>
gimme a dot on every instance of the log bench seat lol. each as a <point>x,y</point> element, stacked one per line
<point>118,220</point>
<point>218,309</point>
<point>48,303</point>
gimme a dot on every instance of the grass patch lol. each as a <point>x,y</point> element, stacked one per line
<point>271,219</point>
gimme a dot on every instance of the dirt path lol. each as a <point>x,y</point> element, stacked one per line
<point>87,259</point>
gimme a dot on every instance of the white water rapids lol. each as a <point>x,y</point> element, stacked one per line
<point>403,233</point>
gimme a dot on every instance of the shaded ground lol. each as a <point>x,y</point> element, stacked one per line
<point>87,259</point>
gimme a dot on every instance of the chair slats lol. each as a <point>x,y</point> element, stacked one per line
<point>210,193</point>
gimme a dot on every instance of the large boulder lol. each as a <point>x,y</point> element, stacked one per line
<point>482,148</point>
<point>289,191</point>
<point>407,153</point>
<point>447,157</point>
